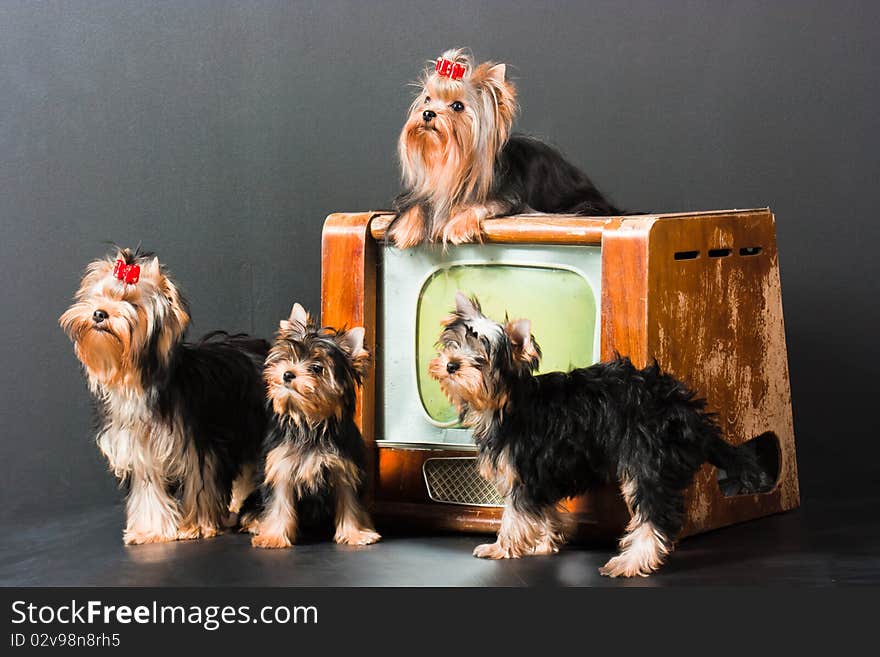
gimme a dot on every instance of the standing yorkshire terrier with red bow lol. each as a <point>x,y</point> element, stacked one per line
<point>181,423</point>
<point>461,165</point>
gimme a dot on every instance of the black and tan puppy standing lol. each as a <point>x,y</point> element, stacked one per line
<point>543,438</point>
<point>181,423</point>
<point>314,451</point>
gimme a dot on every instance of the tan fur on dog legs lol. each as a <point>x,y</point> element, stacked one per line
<point>353,524</point>
<point>276,528</point>
<point>242,486</point>
<point>203,503</point>
<point>642,548</point>
<point>642,551</point>
<point>152,515</point>
<point>524,534</point>
<point>409,230</point>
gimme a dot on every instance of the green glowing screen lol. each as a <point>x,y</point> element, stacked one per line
<point>560,303</point>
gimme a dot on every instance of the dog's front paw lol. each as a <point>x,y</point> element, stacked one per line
<point>464,226</point>
<point>137,537</point>
<point>492,551</point>
<point>191,532</point>
<point>270,541</point>
<point>545,547</point>
<point>408,230</point>
<point>210,531</point>
<point>249,524</point>
<point>624,566</point>
<point>357,537</point>
<point>188,533</point>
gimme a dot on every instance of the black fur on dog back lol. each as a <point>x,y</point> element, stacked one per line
<point>565,433</point>
<point>215,387</point>
<point>534,176</point>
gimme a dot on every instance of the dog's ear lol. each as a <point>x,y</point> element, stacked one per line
<point>352,343</point>
<point>177,320</point>
<point>498,96</point>
<point>525,349</point>
<point>297,322</point>
<point>497,73</point>
<point>175,299</point>
<point>467,308</point>
<point>152,270</point>
<point>298,315</point>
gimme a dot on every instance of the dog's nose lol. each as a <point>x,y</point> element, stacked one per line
<point>429,114</point>
<point>288,376</point>
<point>452,367</point>
<point>99,316</point>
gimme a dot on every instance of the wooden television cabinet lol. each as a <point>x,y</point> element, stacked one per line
<point>699,292</point>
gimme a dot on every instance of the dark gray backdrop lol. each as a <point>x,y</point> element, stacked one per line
<point>220,134</point>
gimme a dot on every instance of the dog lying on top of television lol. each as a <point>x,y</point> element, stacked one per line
<point>460,163</point>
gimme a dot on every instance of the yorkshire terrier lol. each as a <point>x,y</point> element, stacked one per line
<point>543,438</point>
<point>460,164</point>
<point>314,451</point>
<point>181,423</point>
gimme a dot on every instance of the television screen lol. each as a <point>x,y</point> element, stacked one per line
<point>557,287</point>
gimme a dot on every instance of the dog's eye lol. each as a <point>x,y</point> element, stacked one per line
<point>480,362</point>
<point>314,368</point>
<point>427,99</point>
<point>457,106</point>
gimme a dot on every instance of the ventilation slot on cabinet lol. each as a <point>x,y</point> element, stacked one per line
<point>719,253</point>
<point>686,255</point>
<point>750,250</point>
<point>457,481</point>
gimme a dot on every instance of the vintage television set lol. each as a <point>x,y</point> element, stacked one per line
<point>698,292</point>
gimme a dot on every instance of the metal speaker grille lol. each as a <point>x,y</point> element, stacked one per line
<point>457,481</point>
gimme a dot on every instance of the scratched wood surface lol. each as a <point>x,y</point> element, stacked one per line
<point>715,321</point>
<point>546,229</point>
<point>549,228</point>
<point>348,299</point>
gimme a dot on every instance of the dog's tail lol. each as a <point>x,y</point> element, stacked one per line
<point>745,475</point>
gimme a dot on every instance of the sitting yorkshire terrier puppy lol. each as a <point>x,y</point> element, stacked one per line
<point>461,165</point>
<point>548,437</point>
<point>314,451</point>
<point>181,423</point>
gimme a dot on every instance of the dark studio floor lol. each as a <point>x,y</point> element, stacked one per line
<point>823,543</point>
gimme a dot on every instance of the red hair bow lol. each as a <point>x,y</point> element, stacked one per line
<point>130,274</point>
<point>448,69</point>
